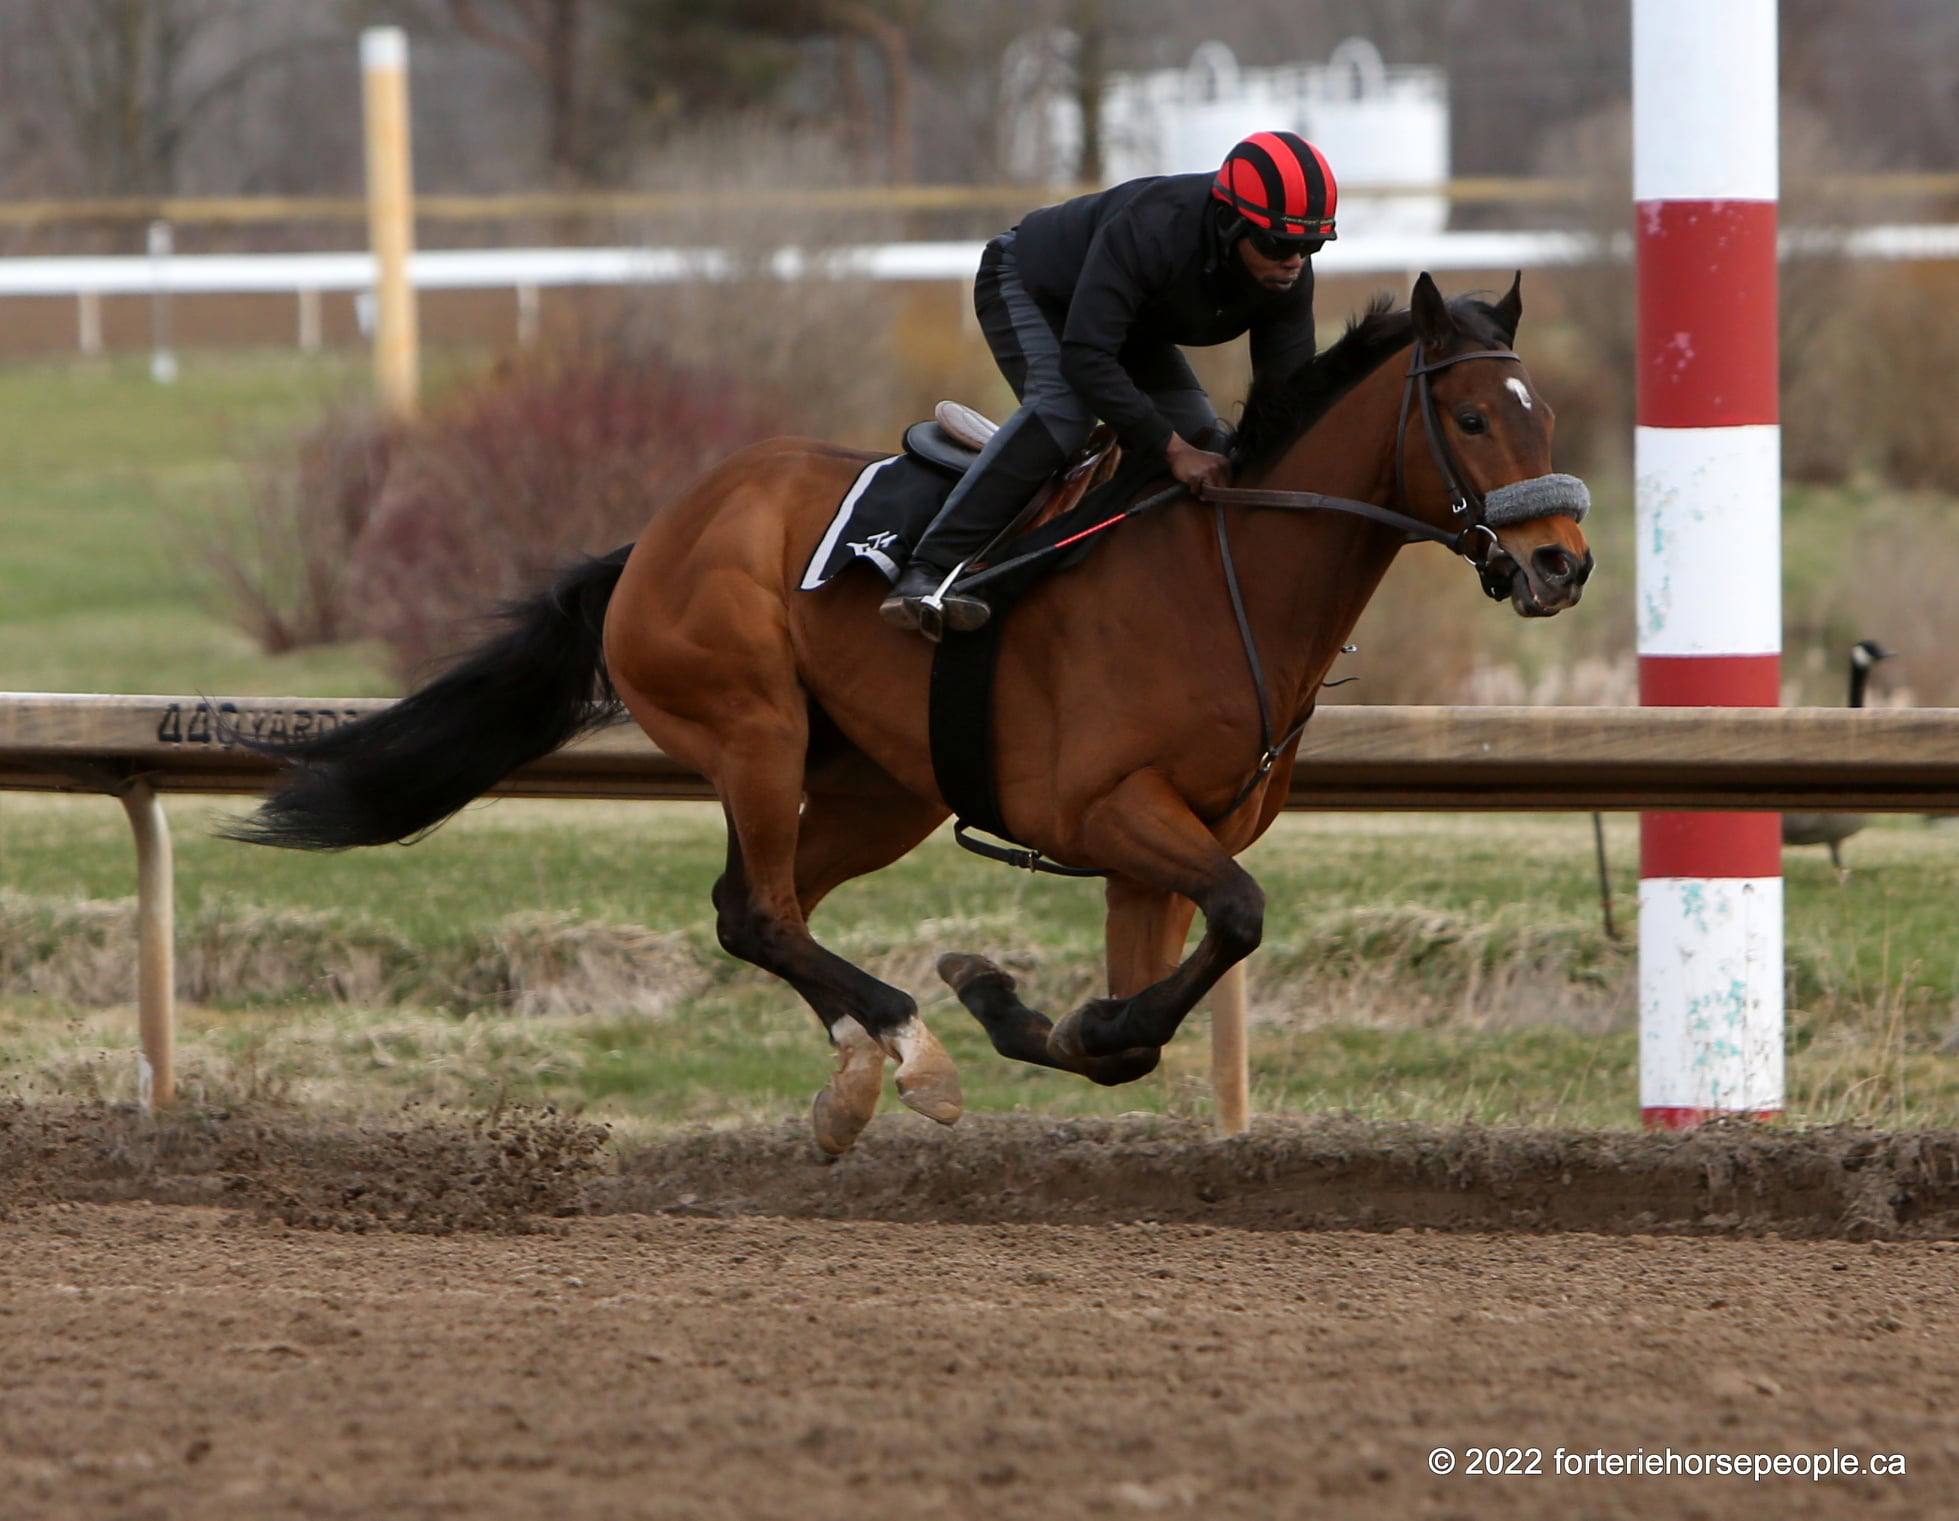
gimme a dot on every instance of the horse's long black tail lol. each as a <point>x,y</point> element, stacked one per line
<point>520,695</point>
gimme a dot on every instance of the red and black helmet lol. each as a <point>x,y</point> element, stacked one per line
<point>1281,185</point>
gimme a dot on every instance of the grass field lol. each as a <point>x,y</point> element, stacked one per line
<point>563,953</point>
<point>1433,968</point>
<point>107,480</point>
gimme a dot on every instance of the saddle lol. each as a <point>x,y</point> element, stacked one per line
<point>888,506</point>
<point>950,440</point>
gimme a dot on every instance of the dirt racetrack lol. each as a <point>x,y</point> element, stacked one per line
<point>247,1316</point>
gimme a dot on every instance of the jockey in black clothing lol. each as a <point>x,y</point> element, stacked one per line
<point>1084,305</point>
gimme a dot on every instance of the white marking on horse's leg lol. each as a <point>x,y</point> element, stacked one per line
<point>1519,390</point>
<point>927,1080</point>
<point>849,1099</point>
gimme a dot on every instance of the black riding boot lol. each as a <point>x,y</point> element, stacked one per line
<point>1016,463</point>
<point>915,602</point>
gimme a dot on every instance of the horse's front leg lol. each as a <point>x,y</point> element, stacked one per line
<point>1161,853</point>
<point>1145,932</point>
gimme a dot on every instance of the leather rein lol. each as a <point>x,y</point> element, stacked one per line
<point>1464,501</point>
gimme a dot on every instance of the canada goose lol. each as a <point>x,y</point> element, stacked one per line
<point>1832,829</point>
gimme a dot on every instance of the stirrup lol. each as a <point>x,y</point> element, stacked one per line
<point>932,612</point>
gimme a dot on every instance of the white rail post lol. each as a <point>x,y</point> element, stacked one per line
<point>390,217</point>
<point>1230,1054</point>
<point>163,353</point>
<point>527,316</point>
<point>88,323</point>
<point>155,953</point>
<point>309,320</point>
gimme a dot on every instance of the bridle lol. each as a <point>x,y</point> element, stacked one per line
<point>1464,499</point>
<point>1475,540</point>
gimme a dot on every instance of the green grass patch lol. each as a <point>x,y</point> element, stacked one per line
<point>103,476</point>
<point>1415,967</point>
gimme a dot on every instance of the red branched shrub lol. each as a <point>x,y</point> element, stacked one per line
<point>561,455</point>
<point>432,525</point>
<point>285,564</point>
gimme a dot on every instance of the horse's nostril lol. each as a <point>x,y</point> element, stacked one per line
<point>1553,564</point>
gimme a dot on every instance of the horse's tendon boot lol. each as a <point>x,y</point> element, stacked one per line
<point>847,1101</point>
<point>927,1080</point>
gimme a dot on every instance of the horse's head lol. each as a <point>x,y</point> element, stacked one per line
<point>1476,449</point>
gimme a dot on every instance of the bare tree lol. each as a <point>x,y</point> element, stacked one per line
<point>1091,76</point>
<point>686,56</point>
<point>129,81</point>
<point>549,39</point>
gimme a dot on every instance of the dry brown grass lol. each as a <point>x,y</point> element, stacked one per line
<point>82,955</point>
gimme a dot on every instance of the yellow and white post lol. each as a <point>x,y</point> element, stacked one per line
<point>391,217</point>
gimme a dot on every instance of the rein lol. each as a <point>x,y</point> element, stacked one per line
<point>1463,500</point>
<point>1544,497</point>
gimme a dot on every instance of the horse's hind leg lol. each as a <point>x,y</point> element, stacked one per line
<point>855,821</point>
<point>1145,930</point>
<point>705,663</point>
<point>761,920</point>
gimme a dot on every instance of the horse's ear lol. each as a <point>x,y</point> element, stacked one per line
<point>1510,310</point>
<point>1433,324</point>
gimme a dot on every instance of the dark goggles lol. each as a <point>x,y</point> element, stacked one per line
<point>1271,246</point>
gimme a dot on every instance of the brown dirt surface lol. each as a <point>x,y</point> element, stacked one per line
<point>1017,1319</point>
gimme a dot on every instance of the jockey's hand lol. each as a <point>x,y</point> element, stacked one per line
<point>1194,467</point>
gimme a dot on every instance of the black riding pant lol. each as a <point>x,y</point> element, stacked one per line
<point>1053,420</point>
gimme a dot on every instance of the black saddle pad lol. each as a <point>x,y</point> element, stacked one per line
<point>892,502</point>
<point>885,511</point>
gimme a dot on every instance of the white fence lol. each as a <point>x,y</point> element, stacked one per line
<point>528,271</point>
<point>511,268</point>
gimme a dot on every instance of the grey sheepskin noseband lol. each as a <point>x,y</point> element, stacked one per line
<point>1543,496</point>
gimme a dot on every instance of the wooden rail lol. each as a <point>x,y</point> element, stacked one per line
<point>1376,758</point>
<point>1387,758</point>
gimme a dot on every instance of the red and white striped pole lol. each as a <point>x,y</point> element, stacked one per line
<point>1709,499</point>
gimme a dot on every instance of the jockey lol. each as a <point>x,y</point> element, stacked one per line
<point>1084,305</point>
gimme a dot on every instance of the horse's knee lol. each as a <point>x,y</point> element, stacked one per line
<point>1237,917</point>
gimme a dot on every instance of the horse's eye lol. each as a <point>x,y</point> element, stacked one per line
<point>1471,422</point>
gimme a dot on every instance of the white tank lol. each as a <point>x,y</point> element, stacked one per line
<point>1376,125</point>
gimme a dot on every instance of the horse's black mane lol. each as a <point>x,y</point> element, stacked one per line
<point>1278,411</point>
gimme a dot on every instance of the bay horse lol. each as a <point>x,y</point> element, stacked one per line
<point>1130,735</point>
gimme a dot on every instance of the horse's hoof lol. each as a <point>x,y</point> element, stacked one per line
<point>960,971</point>
<point>846,1103</point>
<point>927,1080</point>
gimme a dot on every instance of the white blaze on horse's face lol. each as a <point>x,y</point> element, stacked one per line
<point>1519,390</point>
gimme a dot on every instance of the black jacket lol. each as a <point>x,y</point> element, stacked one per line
<point>1144,262</point>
